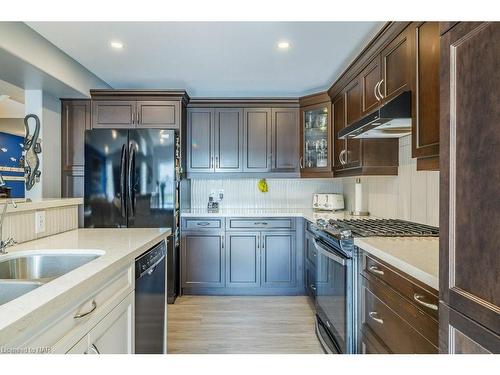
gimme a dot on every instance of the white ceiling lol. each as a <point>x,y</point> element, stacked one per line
<point>214,58</point>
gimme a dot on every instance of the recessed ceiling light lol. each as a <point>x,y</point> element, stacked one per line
<point>116,45</point>
<point>283,45</point>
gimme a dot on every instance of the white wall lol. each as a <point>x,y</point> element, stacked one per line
<point>412,195</point>
<point>243,193</point>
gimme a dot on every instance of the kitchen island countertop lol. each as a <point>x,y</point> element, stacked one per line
<point>120,247</point>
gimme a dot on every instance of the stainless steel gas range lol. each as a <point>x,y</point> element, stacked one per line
<point>337,269</point>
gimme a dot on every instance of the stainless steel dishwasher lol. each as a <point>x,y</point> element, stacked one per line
<point>150,301</point>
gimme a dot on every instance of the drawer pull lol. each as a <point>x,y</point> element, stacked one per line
<point>94,306</point>
<point>376,270</point>
<point>313,287</point>
<point>203,224</point>
<point>418,298</point>
<point>260,223</point>
<point>373,315</point>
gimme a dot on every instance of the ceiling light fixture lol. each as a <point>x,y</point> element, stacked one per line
<point>283,45</point>
<point>116,45</point>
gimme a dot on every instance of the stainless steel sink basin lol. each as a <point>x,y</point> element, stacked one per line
<point>43,266</point>
<point>10,290</point>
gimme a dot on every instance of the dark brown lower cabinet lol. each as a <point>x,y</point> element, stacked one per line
<point>397,314</point>
<point>461,335</point>
<point>202,260</point>
<point>247,256</point>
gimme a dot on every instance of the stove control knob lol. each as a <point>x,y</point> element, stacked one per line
<point>345,234</point>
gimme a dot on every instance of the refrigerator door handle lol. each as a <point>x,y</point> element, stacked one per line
<point>123,180</point>
<point>131,182</point>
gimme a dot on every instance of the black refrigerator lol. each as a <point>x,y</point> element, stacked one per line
<point>132,181</point>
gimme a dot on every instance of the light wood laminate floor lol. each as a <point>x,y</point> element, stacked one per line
<point>216,324</point>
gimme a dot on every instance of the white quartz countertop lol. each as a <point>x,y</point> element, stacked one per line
<point>416,256</point>
<point>120,247</point>
<point>306,213</point>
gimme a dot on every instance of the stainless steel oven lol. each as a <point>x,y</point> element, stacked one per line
<point>335,295</point>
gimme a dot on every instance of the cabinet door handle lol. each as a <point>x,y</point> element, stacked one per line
<point>376,270</point>
<point>301,162</point>
<point>375,91</point>
<point>263,243</point>
<point>216,162</point>
<point>378,89</point>
<point>211,162</point>
<point>222,242</point>
<point>341,158</point>
<point>373,315</point>
<point>258,242</point>
<point>81,315</point>
<point>203,223</point>
<point>418,298</point>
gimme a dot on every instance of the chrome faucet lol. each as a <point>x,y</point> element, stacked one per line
<point>4,244</point>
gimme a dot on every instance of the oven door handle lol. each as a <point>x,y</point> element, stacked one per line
<point>321,249</point>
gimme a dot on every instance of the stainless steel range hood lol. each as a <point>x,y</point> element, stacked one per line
<point>392,120</point>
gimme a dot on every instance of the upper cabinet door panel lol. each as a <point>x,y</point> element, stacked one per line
<point>113,114</point>
<point>338,115</point>
<point>370,78</point>
<point>158,114</point>
<point>353,101</point>
<point>257,140</point>
<point>228,140</point>
<point>396,65</point>
<point>470,109</point>
<point>285,140</point>
<point>200,140</point>
<point>426,90</point>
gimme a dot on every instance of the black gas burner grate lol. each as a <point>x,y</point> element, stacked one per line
<point>386,228</point>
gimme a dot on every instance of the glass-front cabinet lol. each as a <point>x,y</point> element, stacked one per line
<point>315,156</point>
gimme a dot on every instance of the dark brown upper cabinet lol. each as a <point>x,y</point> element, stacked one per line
<point>338,119</point>
<point>228,142</point>
<point>469,180</point>
<point>242,140</point>
<point>351,158</point>
<point>316,136</point>
<point>257,139</point>
<point>285,140</point>
<point>396,66</point>
<point>370,79</point>
<point>118,109</point>
<point>75,119</point>
<point>200,139</point>
<point>357,157</point>
<point>158,114</point>
<point>425,98</point>
<point>114,114</point>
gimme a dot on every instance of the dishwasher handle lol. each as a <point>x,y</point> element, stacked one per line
<point>151,268</point>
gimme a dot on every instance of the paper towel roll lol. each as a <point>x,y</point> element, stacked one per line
<point>358,196</point>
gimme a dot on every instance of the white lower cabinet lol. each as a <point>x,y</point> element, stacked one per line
<point>114,334</point>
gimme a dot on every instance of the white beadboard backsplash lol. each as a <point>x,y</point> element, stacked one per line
<point>243,193</point>
<point>412,195</point>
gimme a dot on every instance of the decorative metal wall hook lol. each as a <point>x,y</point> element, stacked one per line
<point>32,147</point>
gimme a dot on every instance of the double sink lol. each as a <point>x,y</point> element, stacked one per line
<point>22,272</point>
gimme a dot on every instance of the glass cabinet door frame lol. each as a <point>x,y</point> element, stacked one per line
<point>302,162</point>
